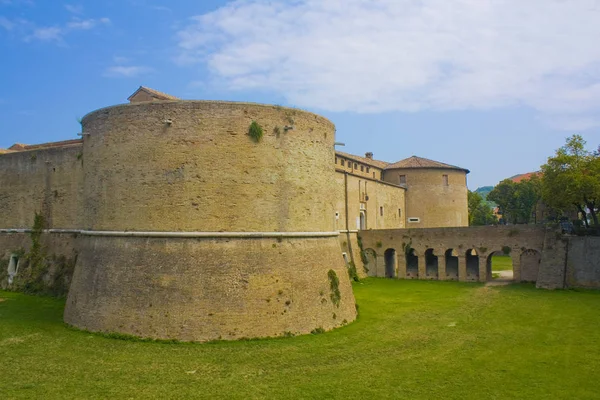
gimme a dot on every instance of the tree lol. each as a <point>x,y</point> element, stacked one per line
<point>517,201</point>
<point>480,213</point>
<point>572,179</point>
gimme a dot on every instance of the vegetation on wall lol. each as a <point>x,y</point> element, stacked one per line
<point>255,131</point>
<point>334,285</point>
<point>352,273</point>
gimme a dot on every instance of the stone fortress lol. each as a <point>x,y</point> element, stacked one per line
<point>168,220</point>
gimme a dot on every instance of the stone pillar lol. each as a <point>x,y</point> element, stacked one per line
<point>422,266</point>
<point>482,268</point>
<point>401,263</point>
<point>442,267</point>
<point>516,261</point>
<point>380,266</point>
<point>462,268</point>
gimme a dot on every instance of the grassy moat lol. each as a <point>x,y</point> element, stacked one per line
<point>412,340</point>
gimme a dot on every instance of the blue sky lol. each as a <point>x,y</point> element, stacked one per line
<point>494,86</point>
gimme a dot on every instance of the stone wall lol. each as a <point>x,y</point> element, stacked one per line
<point>379,201</point>
<point>47,181</point>
<point>466,245</point>
<point>583,262</point>
<point>52,266</point>
<point>186,180</point>
<point>430,200</point>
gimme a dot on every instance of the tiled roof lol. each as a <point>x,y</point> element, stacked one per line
<point>415,162</point>
<point>364,160</point>
<point>154,93</point>
<point>523,177</point>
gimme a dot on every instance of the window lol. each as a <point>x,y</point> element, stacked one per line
<point>381,211</point>
<point>342,162</point>
<point>403,179</point>
<point>445,180</point>
<point>414,220</point>
<point>368,168</point>
<point>374,175</point>
<point>362,168</point>
<point>400,212</point>
<point>355,166</point>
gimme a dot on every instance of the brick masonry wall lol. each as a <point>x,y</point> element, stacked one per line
<point>47,181</point>
<point>203,172</point>
<point>427,198</point>
<point>485,240</point>
<point>205,289</point>
<point>583,262</point>
<point>58,260</point>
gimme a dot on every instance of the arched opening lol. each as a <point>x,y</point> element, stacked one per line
<point>530,265</point>
<point>472,259</point>
<point>451,265</point>
<point>363,221</point>
<point>370,260</point>
<point>13,267</point>
<point>431,265</point>
<point>390,263</point>
<point>412,264</point>
<point>499,266</point>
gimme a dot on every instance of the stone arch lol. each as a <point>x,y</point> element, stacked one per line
<point>431,264</point>
<point>390,263</point>
<point>412,264</point>
<point>499,263</point>
<point>451,265</point>
<point>472,262</point>
<point>530,265</point>
<point>370,260</point>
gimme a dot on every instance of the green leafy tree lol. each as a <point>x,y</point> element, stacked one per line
<point>572,179</point>
<point>517,201</point>
<point>480,213</point>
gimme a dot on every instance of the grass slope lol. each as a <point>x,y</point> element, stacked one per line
<point>413,340</point>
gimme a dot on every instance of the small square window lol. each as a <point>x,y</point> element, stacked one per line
<point>402,179</point>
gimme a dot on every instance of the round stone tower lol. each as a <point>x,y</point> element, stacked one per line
<point>195,230</point>
<point>436,193</point>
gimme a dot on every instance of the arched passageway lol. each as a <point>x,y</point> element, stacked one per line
<point>530,265</point>
<point>472,259</point>
<point>412,264</point>
<point>499,266</point>
<point>451,265</point>
<point>390,263</point>
<point>370,260</point>
<point>431,264</point>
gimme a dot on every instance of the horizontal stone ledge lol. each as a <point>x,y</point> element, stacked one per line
<point>349,231</point>
<point>183,234</point>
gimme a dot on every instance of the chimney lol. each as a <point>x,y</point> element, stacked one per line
<point>369,155</point>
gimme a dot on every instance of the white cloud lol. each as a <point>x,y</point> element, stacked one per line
<point>407,55</point>
<point>127,71</point>
<point>56,33</point>
<point>74,8</point>
<point>6,23</point>
<point>47,34</point>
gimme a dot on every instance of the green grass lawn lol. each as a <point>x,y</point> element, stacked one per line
<point>413,340</point>
<point>502,263</point>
